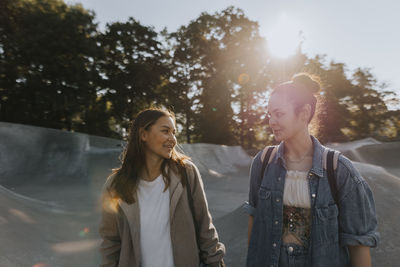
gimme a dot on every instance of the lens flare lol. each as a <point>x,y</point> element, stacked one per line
<point>243,78</point>
<point>84,232</point>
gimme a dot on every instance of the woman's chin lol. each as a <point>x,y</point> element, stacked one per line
<point>164,155</point>
<point>278,137</point>
<point>167,155</point>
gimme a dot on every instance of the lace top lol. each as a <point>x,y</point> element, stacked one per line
<point>296,192</point>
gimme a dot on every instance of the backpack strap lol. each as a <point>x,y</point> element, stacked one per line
<point>330,163</point>
<point>266,157</point>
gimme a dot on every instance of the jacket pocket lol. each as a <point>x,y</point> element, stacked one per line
<point>264,194</point>
<point>327,213</point>
<point>326,225</point>
<point>264,203</point>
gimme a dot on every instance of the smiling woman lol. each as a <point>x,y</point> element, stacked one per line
<point>283,37</point>
<point>154,206</point>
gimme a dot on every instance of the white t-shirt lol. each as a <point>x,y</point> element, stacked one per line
<point>155,235</point>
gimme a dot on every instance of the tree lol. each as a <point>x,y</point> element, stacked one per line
<point>58,70</point>
<point>47,54</point>
<point>221,63</point>
<point>366,104</point>
<point>133,69</point>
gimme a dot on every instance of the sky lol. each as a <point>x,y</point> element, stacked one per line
<point>358,33</point>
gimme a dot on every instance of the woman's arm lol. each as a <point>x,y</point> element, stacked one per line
<point>211,250</point>
<point>250,206</point>
<point>250,227</point>
<point>357,215</point>
<point>360,256</point>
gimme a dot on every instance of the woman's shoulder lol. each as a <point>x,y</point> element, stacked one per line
<point>193,173</point>
<point>345,168</point>
<point>261,154</point>
<point>107,184</point>
<point>189,165</point>
<point>341,161</point>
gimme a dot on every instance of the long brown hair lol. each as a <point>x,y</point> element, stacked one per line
<point>125,178</point>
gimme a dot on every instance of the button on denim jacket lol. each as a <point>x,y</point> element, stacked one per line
<point>351,222</point>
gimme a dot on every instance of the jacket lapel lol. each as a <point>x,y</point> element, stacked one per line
<point>132,214</point>
<point>132,211</point>
<point>175,193</point>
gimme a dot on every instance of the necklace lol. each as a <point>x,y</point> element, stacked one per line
<point>300,160</point>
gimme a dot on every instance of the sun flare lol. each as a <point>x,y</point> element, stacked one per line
<point>284,37</point>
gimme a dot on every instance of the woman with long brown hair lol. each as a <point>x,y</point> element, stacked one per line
<point>154,209</point>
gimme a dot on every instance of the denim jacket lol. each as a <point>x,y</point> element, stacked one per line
<point>334,227</point>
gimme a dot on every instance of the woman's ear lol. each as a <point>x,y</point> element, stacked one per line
<point>306,113</point>
<point>143,134</point>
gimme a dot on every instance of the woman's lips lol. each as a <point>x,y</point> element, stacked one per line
<point>169,147</point>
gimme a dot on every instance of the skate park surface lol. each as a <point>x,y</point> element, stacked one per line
<point>51,180</point>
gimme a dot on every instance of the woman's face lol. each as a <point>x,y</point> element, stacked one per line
<point>160,138</point>
<point>283,120</point>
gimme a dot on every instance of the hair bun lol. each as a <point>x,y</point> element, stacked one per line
<point>307,82</point>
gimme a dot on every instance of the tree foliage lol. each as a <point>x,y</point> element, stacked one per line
<point>59,70</point>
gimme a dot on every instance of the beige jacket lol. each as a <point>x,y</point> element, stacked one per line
<point>120,227</point>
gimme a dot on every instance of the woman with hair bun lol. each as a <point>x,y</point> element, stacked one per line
<point>308,205</point>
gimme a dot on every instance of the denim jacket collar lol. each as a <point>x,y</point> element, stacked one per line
<point>317,162</point>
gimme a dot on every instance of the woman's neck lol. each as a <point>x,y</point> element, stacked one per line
<point>298,146</point>
<point>152,168</point>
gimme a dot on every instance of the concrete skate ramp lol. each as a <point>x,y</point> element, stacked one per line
<point>69,169</point>
<point>385,155</point>
<point>34,232</point>
<point>369,150</point>
<point>63,168</point>
<point>50,182</point>
<point>224,170</point>
<point>48,155</point>
<point>217,160</point>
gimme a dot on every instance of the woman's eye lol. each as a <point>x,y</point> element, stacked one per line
<point>279,114</point>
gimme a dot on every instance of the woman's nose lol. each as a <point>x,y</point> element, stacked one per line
<point>171,137</point>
